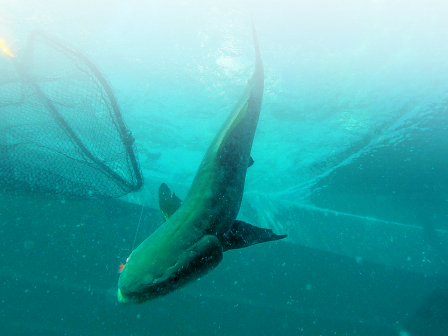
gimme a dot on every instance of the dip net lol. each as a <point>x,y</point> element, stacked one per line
<point>61,130</point>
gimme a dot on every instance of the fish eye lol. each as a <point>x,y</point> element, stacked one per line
<point>174,278</point>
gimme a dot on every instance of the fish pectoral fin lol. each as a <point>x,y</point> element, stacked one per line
<point>251,162</point>
<point>243,234</point>
<point>168,203</point>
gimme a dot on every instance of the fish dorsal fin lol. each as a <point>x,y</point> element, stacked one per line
<point>243,234</point>
<point>168,203</point>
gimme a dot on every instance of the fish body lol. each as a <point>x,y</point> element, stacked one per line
<point>198,230</point>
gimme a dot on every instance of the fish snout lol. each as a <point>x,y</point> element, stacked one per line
<point>122,298</point>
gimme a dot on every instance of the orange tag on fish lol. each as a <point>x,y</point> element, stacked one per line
<point>120,269</point>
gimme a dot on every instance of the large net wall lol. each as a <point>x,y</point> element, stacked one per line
<point>61,131</point>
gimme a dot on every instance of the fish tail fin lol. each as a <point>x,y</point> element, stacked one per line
<point>258,62</point>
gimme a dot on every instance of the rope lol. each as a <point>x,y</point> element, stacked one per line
<point>138,226</point>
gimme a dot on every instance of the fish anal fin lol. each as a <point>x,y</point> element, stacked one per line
<point>168,203</point>
<point>243,234</point>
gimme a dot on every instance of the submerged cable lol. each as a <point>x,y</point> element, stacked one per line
<point>138,226</point>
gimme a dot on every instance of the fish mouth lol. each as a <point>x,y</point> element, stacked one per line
<point>138,298</point>
<point>122,298</point>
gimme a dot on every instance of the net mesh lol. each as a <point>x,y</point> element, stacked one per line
<point>61,130</point>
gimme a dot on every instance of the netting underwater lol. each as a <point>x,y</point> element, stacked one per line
<point>61,130</point>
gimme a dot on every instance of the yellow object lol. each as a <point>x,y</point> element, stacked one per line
<point>5,49</point>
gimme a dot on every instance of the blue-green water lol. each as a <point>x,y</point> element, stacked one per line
<point>350,161</point>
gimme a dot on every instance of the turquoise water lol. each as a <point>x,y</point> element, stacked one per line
<point>350,161</point>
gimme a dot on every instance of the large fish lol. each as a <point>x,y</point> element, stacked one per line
<point>197,231</point>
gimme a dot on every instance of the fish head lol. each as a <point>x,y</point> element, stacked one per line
<point>154,270</point>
